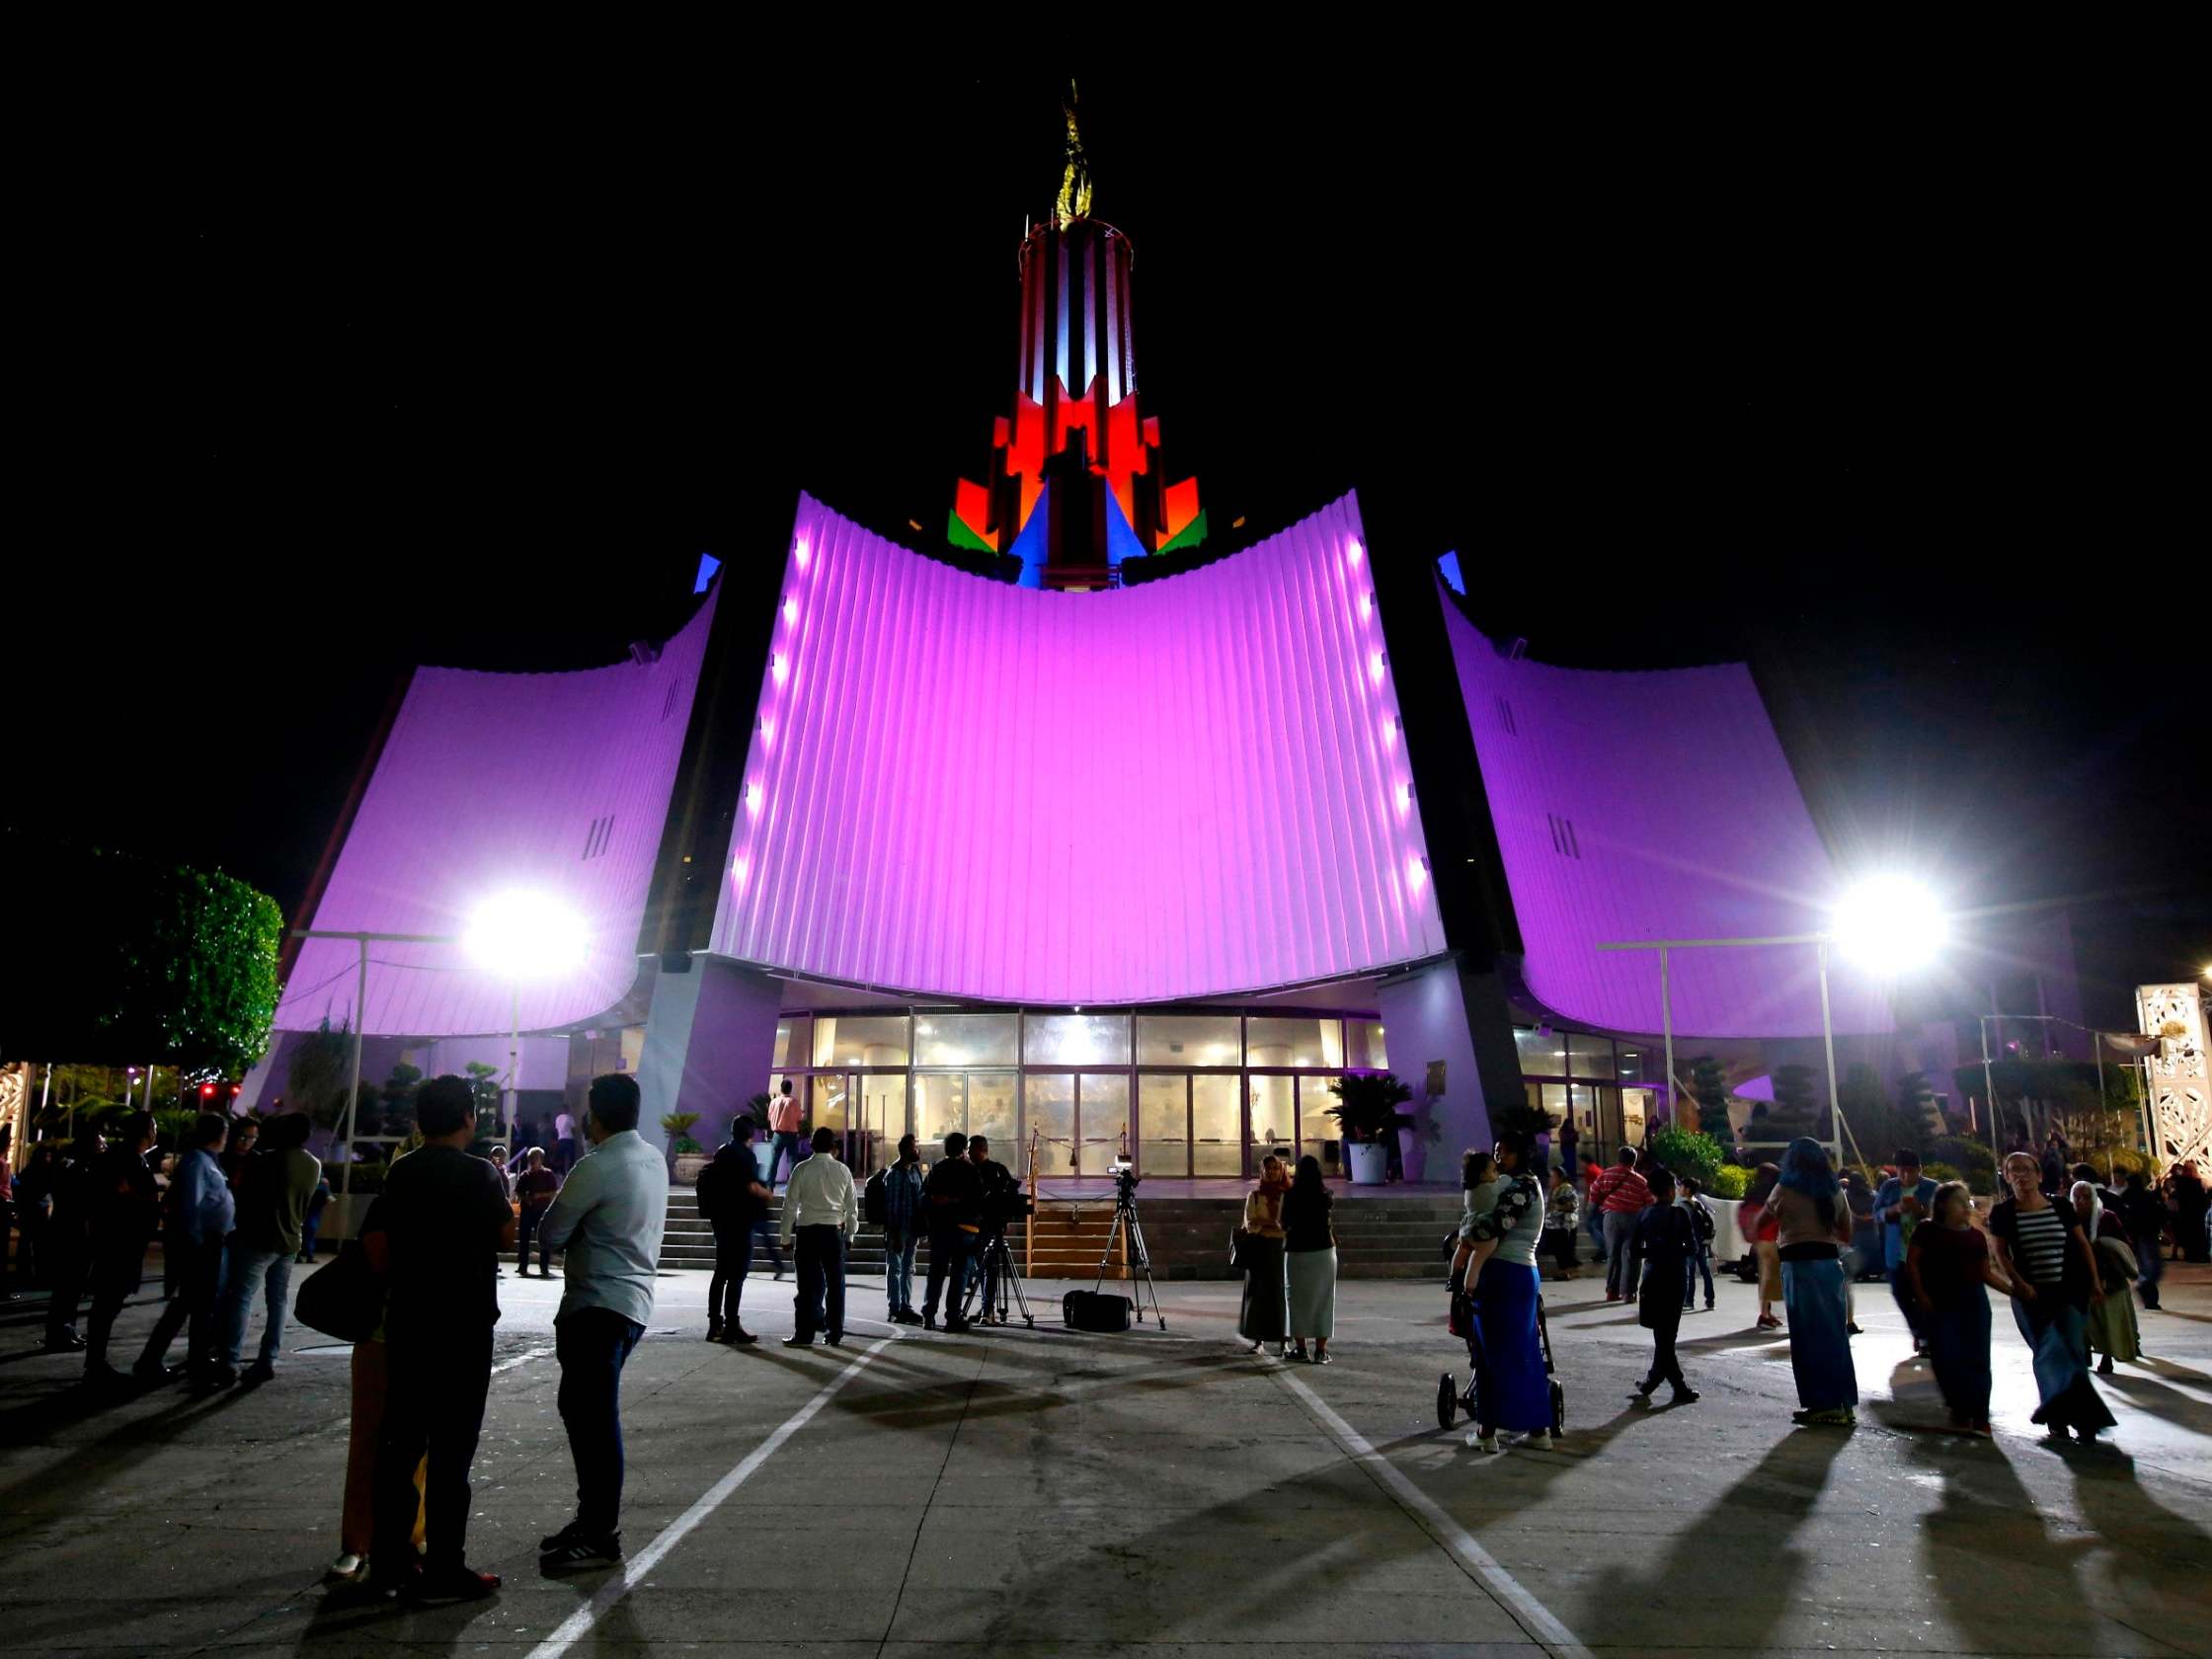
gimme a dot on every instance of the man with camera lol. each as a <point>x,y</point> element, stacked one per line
<point>997,1195</point>
<point>953,1199</point>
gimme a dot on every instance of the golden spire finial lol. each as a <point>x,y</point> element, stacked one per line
<point>1075,177</point>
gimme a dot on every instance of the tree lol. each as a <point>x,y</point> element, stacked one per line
<point>316,1078</point>
<point>1916,1104</point>
<point>1367,1104</point>
<point>1796,1110</point>
<point>1708,1086</point>
<point>394,1111</point>
<point>484,1084</point>
<point>165,962</point>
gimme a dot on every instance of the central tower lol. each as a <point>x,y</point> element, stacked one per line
<point>1073,487</point>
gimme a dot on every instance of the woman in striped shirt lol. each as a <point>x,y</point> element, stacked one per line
<point>2046,1255</point>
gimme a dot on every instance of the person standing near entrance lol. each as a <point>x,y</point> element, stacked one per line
<point>69,1239</point>
<point>903,1209</point>
<point>534,1190</point>
<point>435,1233</point>
<point>783,1132</point>
<point>733,1201</point>
<point>609,1218</point>
<point>997,1191</point>
<point>1620,1195</point>
<point>1664,1246</point>
<point>564,1141</point>
<point>2144,1214</point>
<point>821,1213</point>
<point>1903,1202</point>
<point>951,1194</point>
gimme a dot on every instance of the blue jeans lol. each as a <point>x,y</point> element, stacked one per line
<point>308,1228</point>
<point>1621,1272</point>
<point>1901,1290</point>
<point>592,1344</point>
<point>781,1141</point>
<point>248,1271</point>
<point>1692,1266</point>
<point>2148,1267</point>
<point>1594,1223</point>
<point>898,1268</point>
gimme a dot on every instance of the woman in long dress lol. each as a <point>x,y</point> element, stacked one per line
<point>1812,1224</point>
<point>2112,1331</point>
<point>1949,1267</point>
<point>1498,1251</point>
<point>2043,1251</point>
<point>1310,1256</point>
<point>1265,1315</point>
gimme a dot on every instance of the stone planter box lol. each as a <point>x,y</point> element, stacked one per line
<point>1371,1163</point>
<point>689,1166</point>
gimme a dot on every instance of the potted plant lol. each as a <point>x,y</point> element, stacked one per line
<point>1367,1110</point>
<point>686,1157</point>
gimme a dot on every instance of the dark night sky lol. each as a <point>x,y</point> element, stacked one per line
<point>1880,385</point>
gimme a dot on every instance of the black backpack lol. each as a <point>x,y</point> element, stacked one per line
<point>871,1200</point>
<point>707,1189</point>
<point>1700,1219</point>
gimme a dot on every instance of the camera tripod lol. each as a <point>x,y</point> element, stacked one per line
<point>997,1260</point>
<point>1127,1228</point>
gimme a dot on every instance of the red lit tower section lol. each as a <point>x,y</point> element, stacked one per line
<point>1076,441</point>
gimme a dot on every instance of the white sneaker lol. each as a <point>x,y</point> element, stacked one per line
<point>1541,1440</point>
<point>347,1565</point>
<point>1482,1442</point>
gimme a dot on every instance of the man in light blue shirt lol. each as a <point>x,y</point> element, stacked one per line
<point>200,1212</point>
<point>609,1217</point>
<point>1901,1203</point>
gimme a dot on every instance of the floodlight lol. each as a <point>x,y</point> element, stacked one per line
<point>1889,925</point>
<point>527,937</point>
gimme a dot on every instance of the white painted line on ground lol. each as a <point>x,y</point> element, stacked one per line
<point>578,1625</point>
<point>1526,1611</point>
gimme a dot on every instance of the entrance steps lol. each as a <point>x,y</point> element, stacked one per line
<point>1397,1237</point>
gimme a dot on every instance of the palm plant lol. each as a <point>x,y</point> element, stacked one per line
<point>1367,1105</point>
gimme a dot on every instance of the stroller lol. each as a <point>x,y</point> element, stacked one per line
<point>1451,1400</point>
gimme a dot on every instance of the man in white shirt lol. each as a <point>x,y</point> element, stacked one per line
<point>822,1213</point>
<point>608,1218</point>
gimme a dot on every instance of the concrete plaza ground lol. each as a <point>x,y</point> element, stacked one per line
<point>1042,1492</point>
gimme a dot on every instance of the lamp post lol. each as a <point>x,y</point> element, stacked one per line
<point>360,1015</point>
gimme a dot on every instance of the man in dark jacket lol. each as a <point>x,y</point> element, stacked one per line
<point>123,1202</point>
<point>996,1192</point>
<point>733,1201</point>
<point>952,1197</point>
<point>68,1239</point>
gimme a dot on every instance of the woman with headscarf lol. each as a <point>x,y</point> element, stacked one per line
<point>1812,1224</point>
<point>2047,1256</point>
<point>1310,1256</point>
<point>1498,1251</point>
<point>1265,1315</point>
<point>1759,1228</point>
<point>2112,1333</point>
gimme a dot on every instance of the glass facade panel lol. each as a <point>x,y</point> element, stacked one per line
<point>794,1032</point>
<point>965,1040</point>
<point>874,1139</point>
<point>1640,1065</point>
<point>940,1107</point>
<point>1363,1046</point>
<point>1164,1127</point>
<point>1075,1040</point>
<point>1104,1120</point>
<point>1048,1100</point>
<point>1275,1041</point>
<point>1274,1125</point>
<point>1591,1057</point>
<point>991,1113</point>
<point>1318,1133</point>
<point>1188,1040</point>
<point>825,1103</point>
<point>1554,1100</point>
<point>1217,1142</point>
<point>1542,1056</point>
<point>860,1040</point>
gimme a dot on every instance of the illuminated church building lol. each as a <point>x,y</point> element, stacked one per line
<point>1076,862</point>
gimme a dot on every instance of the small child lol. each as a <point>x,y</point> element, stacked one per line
<point>312,1223</point>
<point>1561,1215</point>
<point>1661,1244</point>
<point>1701,1234</point>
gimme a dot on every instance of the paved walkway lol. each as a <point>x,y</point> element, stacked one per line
<point>1037,1492</point>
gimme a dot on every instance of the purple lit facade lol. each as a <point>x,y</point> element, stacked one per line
<point>1188,789</point>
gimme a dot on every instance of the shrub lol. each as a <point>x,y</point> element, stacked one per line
<point>1688,1151</point>
<point>1730,1181</point>
<point>1975,1166</point>
<point>1367,1104</point>
<point>1940,1173</point>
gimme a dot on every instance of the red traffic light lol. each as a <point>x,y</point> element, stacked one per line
<point>206,1092</point>
<point>235,1087</point>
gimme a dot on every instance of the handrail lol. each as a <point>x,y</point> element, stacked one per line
<point>1029,1231</point>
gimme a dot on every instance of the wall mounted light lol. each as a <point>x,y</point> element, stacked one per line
<point>754,798</point>
<point>1406,797</point>
<point>1367,606</point>
<point>1353,551</point>
<point>737,869</point>
<point>777,667</point>
<point>1375,664</point>
<point>790,609</point>
<point>1417,871</point>
<point>768,732</point>
<point>800,552</point>
<point>1390,730</point>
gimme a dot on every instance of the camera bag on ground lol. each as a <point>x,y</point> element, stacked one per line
<point>1094,1310</point>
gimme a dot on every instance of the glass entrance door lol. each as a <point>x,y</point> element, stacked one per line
<point>878,1117</point>
<point>1047,1101</point>
<point>1102,1112</point>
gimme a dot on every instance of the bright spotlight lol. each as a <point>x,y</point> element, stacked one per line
<point>527,937</point>
<point>1889,925</point>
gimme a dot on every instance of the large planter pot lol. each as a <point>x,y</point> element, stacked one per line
<point>1371,1163</point>
<point>1413,1156</point>
<point>689,1166</point>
